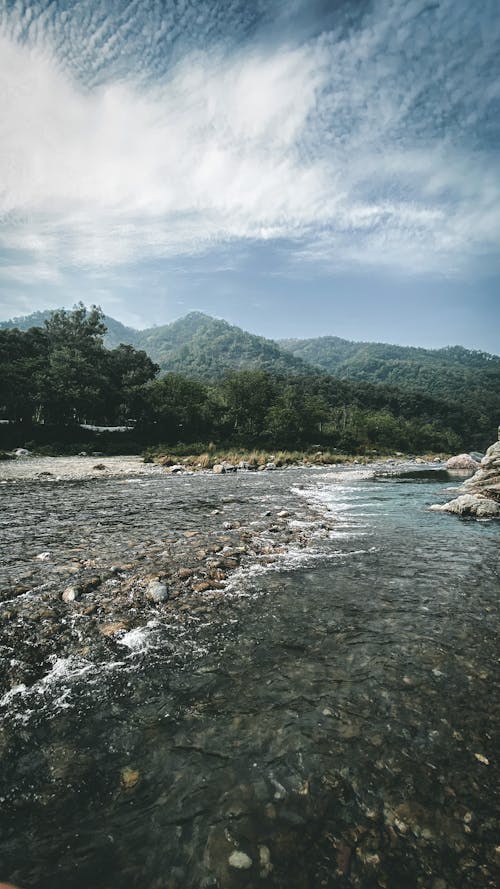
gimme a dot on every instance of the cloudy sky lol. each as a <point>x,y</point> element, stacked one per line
<point>299,167</point>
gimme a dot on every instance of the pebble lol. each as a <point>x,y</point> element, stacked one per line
<point>70,594</point>
<point>481,758</point>
<point>112,628</point>
<point>240,860</point>
<point>157,591</point>
<point>129,778</point>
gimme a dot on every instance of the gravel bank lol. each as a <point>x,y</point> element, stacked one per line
<point>67,468</point>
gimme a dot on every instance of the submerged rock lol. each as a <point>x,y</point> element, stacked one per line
<point>240,860</point>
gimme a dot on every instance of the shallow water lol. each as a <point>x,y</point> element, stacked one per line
<point>335,719</point>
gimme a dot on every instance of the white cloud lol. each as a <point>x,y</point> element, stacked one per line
<point>310,143</point>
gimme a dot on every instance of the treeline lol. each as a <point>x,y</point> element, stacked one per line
<point>61,375</point>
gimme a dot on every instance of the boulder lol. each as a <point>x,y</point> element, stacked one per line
<point>492,456</point>
<point>221,468</point>
<point>462,461</point>
<point>22,452</point>
<point>470,505</point>
<point>481,492</point>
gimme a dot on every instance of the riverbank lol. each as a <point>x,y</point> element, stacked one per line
<point>32,466</point>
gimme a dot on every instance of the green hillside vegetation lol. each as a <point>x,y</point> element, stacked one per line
<point>61,375</point>
<point>453,373</point>
<point>115,332</point>
<point>206,348</point>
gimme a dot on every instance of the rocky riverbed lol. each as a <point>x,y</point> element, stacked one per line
<point>322,711</point>
<point>93,570</point>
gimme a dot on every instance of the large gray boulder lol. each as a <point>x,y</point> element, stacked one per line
<point>462,461</point>
<point>470,505</point>
<point>481,492</point>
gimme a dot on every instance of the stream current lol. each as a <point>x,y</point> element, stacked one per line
<point>334,722</point>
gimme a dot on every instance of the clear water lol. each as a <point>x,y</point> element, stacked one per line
<point>335,720</point>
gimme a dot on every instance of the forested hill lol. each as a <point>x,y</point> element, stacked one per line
<point>116,332</point>
<point>205,348</point>
<point>452,373</point>
<point>223,384</point>
<point>197,346</point>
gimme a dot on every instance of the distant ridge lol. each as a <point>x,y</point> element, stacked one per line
<point>205,348</point>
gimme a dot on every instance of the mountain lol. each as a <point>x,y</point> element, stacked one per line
<point>116,331</point>
<point>197,345</point>
<point>205,348</point>
<point>452,373</point>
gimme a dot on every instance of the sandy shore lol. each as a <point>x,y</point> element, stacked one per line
<point>29,468</point>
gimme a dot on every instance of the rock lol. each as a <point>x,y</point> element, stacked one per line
<point>70,594</point>
<point>22,452</point>
<point>462,461</point>
<point>270,466</point>
<point>113,628</point>
<point>475,455</point>
<point>82,454</point>
<point>129,778</point>
<point>176,468</point>
<point>43,557</point>
<point>184,573</point>
<point>157,591</point>
<point>100,466</point>
<point>240,860</point>
<point>492,456</point>
<point>221,468</point>
<point>202,587</point>
<point>481,497</point>
<point>470,504</point>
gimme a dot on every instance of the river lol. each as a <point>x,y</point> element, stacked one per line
<point>330,719</point>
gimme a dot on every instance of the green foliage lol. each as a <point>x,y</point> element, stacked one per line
<point>63,374</point>
<point>206,348</point>
<point>469,380</point>
<point>244,391</point>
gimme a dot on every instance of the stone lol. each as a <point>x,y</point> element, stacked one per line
<point>22,452</point>
<point>184,573</point>
<point>202,587</point>
<point>221,468</point>
<point>129,778</point>
<point>240,860</point>
<point>470,505</point>
<point>157,591</point>
<point>270,466</point>
<point>100,467</point>
<point>70,594</point>
<point>176,468</point>
<point>113,628</point>
<point>462,461</point>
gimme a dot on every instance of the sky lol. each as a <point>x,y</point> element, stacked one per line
<point>298,167</point>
